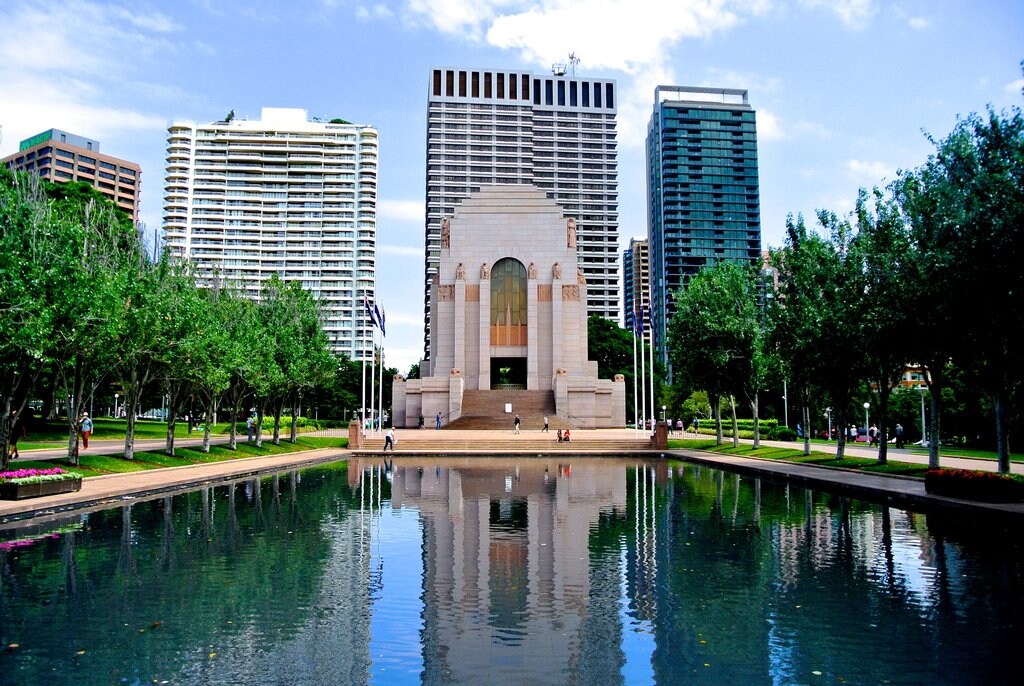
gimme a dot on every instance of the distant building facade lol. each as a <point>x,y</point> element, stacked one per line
<point>702,182</point>
<point>60,156</point>
<point>555,131</point>
<point>245,199</point>
<point>508,313</point>
<point>635,281</point>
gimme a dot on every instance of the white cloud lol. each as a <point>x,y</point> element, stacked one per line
<point>854,13</point>
<point>404,210</point>
<point>768,127</point>
<point>869,173</point>
<point>50,75</point>
<point>918,23</point>
<point>378,11</point>
<point>1014,86</point>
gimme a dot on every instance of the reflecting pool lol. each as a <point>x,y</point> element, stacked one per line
<point>477,571</point>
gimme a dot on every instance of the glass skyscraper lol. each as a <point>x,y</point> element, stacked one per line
<point>703,200</point>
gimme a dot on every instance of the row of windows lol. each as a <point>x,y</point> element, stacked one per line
<point>549,91</point>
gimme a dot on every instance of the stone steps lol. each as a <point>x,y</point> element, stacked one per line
<point>534,442</point>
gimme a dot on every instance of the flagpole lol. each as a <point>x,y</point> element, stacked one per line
<point>362,405</point>
<point>383,335</point>
<point>373,374</point>
<point>632,326</point>
<point>654,412</point>
<point>643,369</point>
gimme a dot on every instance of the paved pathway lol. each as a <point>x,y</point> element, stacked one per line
<point>103,491</point>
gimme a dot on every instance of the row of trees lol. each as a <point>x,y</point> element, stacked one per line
<point>82,307</point>
<point>926,271</point>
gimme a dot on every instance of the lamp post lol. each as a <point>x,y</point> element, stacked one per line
<point>663,407</point>
<point>785,404</point>
<point>115,406</point>
<point>828,416</point>
<point>866,406</point>
<point>924,433</point>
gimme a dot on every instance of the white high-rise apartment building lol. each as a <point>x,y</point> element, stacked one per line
<point>554,131</point>
<point>280,195</point>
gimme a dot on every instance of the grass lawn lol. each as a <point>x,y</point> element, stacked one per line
<point>797,456</point>
<point>95,465</point>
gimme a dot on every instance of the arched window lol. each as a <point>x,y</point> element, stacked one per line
<point>508,302</point>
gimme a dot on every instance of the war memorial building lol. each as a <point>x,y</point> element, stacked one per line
<point>508,322</point>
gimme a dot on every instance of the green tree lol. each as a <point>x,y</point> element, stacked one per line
<point>819,316</point>
<point>886,247</point>
<point>716,336</point>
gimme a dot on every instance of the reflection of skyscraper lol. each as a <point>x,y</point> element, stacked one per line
<point>507,568</point>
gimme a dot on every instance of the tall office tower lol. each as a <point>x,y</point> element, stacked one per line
<point>703,203</point>
<point>635,281</point>
<point>555,131</point>
<point>280,195</point>
<point>60,156</point>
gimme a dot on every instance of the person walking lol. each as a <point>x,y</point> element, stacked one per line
<point>899,435</point>
<point>389,440</point>
<point>250,425</point>
<point>517,421</point>
<point>85,426</point>
<point>545,424</point>
<point>437,421</point>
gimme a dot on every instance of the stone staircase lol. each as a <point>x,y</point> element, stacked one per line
<point>485,443</point>
<point>485,410</point>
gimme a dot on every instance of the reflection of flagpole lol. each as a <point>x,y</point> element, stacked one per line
<point>380,395</point>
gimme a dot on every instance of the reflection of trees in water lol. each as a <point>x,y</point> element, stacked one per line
<point>199,569</point>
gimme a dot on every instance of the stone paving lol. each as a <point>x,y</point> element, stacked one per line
<point>105,491</point>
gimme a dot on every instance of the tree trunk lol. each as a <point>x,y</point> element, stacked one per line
<point>171,423</point>
<point>293,438</point>
<point>716,408</point>
<point>207,420</point>
<point>757,427</point>
<point>805,412</point>
<point>933,379</point>
<point>278,411</point>
<point>841,434</point>
<point>883,422</point>
<point>735,424</point>
<point>1002,438</point>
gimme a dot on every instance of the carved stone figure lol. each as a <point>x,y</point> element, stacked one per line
<point>460,272</point>
<point>580,278</point>
<point>485,271</point>
<point>556,271</point>
<point>570,293</point>
<point>446,292</point>
<point>446,233</point>
<point>531,271</point>
<point>570,230</point>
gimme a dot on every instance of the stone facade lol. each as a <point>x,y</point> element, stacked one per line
<point>472,335</point>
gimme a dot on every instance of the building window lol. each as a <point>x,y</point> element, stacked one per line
<point>508,302</point>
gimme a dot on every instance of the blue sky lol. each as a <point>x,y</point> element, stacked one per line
<point>844,89</point>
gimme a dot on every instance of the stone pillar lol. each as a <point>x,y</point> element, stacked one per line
<point>459,324</point>
<point>532,329</point>
<point>659,441</point>
<point>485,331</point>
<point>355,435</point>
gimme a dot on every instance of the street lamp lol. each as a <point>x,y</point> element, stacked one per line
<point>663,413</point>
<point>115,406</point>
<point>828,416</point>
<point>866,406</point>
<point>924,433</point>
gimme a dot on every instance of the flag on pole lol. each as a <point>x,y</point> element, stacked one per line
<point>380,319</point>
<point>640,323</point>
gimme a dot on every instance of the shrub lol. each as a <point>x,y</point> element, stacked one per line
<point>974,485</point>
<point>784,433</point>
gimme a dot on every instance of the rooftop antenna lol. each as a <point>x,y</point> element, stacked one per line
<point>560,68</point>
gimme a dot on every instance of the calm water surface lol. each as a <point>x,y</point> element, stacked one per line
<point>533,572</point>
